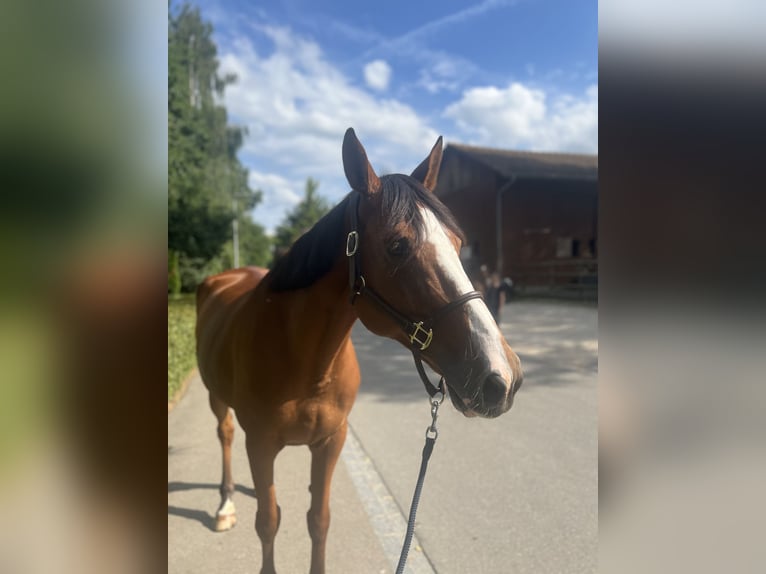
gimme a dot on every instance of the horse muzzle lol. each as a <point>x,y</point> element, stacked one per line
<point>493,396</point>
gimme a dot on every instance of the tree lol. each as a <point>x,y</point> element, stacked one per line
<point>207,185</point>
<point>302,218</point>
<point>254,246</point>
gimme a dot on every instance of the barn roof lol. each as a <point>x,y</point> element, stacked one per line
<point>537,165</point>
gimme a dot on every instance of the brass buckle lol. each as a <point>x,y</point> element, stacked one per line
<point>352,243</point>
<point>428,336</point>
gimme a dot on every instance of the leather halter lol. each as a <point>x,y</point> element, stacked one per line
<point>420,333</point>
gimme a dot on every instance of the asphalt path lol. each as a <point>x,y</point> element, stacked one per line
<point>515,494</point>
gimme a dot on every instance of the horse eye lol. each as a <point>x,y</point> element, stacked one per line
<point>398,247</point>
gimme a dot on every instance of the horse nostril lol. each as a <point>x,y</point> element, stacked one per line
<point>517,383</point>
<point>494,389</point>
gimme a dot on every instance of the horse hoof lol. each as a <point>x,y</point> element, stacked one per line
<point>224,522</point>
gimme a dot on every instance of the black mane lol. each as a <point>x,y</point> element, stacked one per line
<point>313,254</point>
<point>316,251</point>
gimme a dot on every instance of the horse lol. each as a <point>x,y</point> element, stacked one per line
<point>275,345</point>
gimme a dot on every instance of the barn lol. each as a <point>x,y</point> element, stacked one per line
<point>532,217</point>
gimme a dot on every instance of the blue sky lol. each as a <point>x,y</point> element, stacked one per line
<point>513,75</point>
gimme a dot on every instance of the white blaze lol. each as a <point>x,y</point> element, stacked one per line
<point>483,327</point>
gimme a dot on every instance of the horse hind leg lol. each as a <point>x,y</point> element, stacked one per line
<point>323,458</point>
<point>225,517</point>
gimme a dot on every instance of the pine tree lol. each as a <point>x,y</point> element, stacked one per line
<point>207,185</point>
<point>302,218</point>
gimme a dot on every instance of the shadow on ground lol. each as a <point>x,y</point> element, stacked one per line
<point>181,486</point>
<point>205,518</point>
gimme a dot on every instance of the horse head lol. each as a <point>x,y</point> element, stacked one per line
<point>408,246</point>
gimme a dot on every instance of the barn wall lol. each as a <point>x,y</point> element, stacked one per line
<point>468,189</point>
<point>540,218</point>
<point>539,215</point>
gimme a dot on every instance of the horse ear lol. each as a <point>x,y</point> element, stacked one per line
<point>359,172</point>
<point>428,171</point>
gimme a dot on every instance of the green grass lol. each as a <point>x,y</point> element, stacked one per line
<point>181,355</point>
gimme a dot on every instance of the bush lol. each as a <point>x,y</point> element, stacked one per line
<point>192,271</point>
<point>181,345</point>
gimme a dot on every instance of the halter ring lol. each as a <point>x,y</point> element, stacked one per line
<point>352,244</point>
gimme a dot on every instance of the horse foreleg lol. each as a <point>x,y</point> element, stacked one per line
<point>225,517</point>
<point>261,455</point>
<point>324,455</point>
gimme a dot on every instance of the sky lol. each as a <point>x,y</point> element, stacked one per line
<point>508,74</point>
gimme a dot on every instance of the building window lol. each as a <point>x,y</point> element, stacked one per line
<point>563,247</point>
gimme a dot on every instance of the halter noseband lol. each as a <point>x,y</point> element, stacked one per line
<point>420,333</point>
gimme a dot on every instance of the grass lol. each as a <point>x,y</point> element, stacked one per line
<point>181,351</point>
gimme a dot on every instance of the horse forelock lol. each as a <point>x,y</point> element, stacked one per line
<point>402,200</point>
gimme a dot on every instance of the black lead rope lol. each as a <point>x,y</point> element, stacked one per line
<point>431,435</point>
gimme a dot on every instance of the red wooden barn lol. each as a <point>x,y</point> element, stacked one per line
<point>529,216</point>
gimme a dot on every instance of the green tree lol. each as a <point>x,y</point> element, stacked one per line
<point>302,218</point>
<point>207,185</point>
<point>254,245</point>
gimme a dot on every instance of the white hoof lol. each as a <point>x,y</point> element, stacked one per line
<point>225,518</point>
<point>224,522</point>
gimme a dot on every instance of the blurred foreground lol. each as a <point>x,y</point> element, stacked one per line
<point>681,441</point>
<point>681,377</point>
<point>83,150</point>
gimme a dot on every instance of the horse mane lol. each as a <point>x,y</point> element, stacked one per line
<point>315,252</point>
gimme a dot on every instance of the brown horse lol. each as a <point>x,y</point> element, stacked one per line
<point>275,346</point>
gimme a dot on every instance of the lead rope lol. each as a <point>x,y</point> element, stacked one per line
<point>431,435</point>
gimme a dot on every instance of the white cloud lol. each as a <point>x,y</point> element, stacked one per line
<point>279,195</point>
<point>439,70</point>
<point>520,117</point>
<point>280,189</point>
<point>297,106</point>
<point>377,74</point>
<point>444,73</point>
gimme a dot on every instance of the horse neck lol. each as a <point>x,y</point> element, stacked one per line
<point>320,319</point>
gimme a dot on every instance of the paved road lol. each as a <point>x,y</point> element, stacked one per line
<point>515,494</point>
